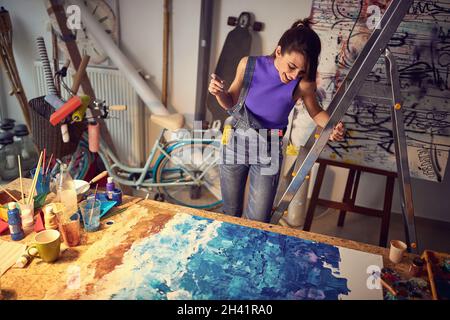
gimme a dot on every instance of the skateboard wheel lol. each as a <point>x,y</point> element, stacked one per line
<point>232,21</point>
<point>244,20</point>
<point>257,26</point>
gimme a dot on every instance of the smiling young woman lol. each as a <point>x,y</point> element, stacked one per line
<point>278,81</point>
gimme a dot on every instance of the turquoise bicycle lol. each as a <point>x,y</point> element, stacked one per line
<point>184,170</point>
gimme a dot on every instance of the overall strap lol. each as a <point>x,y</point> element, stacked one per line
<point>248,75</point>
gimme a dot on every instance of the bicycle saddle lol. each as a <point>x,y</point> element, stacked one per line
<point>171,122</point>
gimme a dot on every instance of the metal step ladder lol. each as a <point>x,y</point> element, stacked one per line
<point>349,89</point>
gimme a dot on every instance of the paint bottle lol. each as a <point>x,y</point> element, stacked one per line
<point>117,196</point>
<point>50,219</point>
<point>66,193</point>
<point>15,223</point>
<point>110,186</point>
<point>113,193</point>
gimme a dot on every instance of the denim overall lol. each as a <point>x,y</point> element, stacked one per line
<point>249,150</point>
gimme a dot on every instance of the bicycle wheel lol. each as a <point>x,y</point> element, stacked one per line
<point>201,160</point>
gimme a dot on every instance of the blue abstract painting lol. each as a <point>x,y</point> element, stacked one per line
<point>190,257</point>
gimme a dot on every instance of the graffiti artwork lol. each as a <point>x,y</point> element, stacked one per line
<point>421,47</point>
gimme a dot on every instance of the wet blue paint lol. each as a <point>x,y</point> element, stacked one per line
<point>236,263</point>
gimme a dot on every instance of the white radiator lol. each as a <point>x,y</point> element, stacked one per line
<point>128,130</point>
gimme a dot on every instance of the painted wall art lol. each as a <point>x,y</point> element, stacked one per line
<point>165,256</point>
<point>421,47</point>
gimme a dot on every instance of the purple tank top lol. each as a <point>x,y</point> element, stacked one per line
<point>269,99</point>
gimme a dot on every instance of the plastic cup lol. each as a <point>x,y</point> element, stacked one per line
<point>70,231</point>
<point>43,183</point>
<point>397,250</point>
<point>27,215</point>
<point>90,211</point>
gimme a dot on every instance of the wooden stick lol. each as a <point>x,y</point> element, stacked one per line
<point>36,175</point>
<point>166,40</point>
<point>430,274</point>
<point>78,76</point>
<point>43,161</point>
<point>20,176</point>
<point>55,58</point>
<point>9,194</point>
<point>388,287</point>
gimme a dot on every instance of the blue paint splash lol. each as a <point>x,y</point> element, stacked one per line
<point>236,263</point>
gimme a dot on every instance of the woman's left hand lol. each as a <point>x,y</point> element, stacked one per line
<point>338,132</point>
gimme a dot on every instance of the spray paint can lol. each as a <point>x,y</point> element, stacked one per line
<point>15,222</point>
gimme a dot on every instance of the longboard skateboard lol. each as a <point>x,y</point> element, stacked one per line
<point>237,45</point>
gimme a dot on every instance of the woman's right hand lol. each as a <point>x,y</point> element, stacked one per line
<point>216,86</point>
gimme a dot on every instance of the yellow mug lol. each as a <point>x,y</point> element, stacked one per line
<point>48,244</point>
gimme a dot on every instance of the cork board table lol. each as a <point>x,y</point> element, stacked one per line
<point>40,280</point>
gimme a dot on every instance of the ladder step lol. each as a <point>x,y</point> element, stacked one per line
<point>375,93</point>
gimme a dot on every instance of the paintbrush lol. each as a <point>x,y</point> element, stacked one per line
<point>9,194</point>
<point>388,287</point>
<point>43,162</point>
<point>93,204</point>
<point>49,163</point>
<point>35,178</point>
<point>20,176</point>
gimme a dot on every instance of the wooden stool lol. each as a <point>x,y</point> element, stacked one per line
<point>348,201</point>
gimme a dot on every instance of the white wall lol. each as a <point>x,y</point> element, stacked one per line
<point>29,21</point>
<point>141,39</point>
<point>3,87</point>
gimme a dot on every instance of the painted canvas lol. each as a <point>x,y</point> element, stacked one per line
<point>166,256</point>
<point>421,46</point>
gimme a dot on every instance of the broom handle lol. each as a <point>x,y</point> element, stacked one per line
<point>80,74</point>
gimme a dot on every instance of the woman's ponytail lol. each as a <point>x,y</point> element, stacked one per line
<point>302,23</point>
